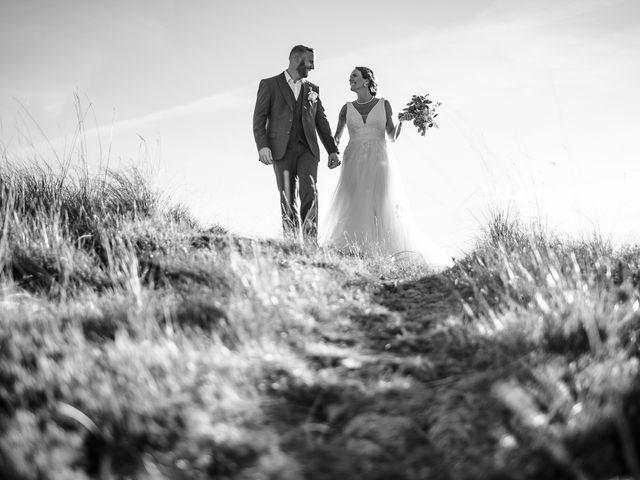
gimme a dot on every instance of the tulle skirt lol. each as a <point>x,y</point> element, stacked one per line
<point>369,212</point>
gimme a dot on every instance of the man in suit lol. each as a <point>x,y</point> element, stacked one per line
<point>287,114</point>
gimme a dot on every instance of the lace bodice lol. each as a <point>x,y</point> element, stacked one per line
<point>375,126</point>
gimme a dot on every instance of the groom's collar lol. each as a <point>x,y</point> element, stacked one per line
<point>288,78</point>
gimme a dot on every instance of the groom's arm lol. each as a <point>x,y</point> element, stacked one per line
<point>323,128</point>
<point>261,114</point>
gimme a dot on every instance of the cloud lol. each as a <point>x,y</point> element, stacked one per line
<point>525,14</point>
<point>213,104</point>
<point>204,106</point>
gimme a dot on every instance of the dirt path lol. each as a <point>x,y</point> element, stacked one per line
<point>402,392</point>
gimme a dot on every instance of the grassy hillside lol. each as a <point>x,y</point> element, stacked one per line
<point>136,344</point>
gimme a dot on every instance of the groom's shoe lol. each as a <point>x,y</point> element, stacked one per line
<point>310,241</point>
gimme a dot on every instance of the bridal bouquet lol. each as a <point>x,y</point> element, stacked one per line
<point>422,111</point>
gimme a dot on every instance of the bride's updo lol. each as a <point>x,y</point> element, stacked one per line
<point>367,74</point>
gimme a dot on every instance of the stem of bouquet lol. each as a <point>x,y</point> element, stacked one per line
<point>396,130</point>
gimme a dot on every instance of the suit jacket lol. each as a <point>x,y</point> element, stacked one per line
<point>273,115</point>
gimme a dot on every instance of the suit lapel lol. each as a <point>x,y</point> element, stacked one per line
<point>304,93</point>
<point>285,90</point>
<point>306,102</point>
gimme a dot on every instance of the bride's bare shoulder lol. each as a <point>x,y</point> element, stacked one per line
<point>387,107</point>
<point>343,110</point>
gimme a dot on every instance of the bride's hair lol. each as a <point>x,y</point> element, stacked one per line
<point>367,74</point>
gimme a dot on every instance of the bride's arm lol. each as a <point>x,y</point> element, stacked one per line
<point>393,131</point>
<point>342,121</point>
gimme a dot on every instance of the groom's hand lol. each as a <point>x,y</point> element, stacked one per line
<point>334,161</point>
<point>264,155</point>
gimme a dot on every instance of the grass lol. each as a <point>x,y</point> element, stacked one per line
<point>135,343</point>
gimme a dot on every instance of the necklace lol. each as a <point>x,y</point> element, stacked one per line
<point>364,103</point>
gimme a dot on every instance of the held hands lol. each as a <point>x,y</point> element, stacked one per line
<point>264,155</point>
<point>334,161</point>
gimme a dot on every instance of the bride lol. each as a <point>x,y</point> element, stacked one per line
<point>369,212</point>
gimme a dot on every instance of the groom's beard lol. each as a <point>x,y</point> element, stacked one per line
<point>302,70</point>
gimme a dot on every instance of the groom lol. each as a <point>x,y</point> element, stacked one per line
<point>287,114</point>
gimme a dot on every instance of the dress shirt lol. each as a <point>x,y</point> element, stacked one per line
<point>295,86</point>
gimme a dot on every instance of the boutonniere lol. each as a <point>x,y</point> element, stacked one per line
<point>313,97</point>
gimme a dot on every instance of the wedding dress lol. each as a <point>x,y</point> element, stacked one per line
<point>369,212</point>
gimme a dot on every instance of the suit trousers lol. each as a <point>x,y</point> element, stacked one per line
<point>296,177</point>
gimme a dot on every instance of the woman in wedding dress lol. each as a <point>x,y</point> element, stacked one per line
<point>369,213</point>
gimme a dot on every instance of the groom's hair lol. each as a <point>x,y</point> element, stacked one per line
<point>299,50</point>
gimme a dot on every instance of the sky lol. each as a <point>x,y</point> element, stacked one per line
<point>539,112</point>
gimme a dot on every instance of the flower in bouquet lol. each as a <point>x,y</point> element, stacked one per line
<point>422,111</point>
